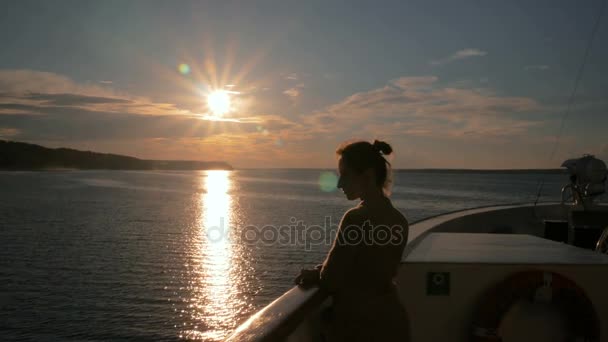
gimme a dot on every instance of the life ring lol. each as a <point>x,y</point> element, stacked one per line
<point>535,286</point>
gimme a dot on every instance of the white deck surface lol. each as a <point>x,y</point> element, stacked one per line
<point>499,249</point>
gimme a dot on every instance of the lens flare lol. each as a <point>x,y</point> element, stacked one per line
<point>184,68</point>
<point>328,181</point>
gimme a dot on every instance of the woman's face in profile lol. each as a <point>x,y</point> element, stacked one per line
<point>349,181</point>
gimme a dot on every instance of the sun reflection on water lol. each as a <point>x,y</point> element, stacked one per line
<point>215,300</point>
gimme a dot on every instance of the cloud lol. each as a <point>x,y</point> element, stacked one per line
<point>38,91</point>
<point>8,132</point>
<point>458,55</point>
<point>418,82</point>
<point>468,53</point>
<point>292,92</point>
<point>74,124</point>
<point>540,67</point>
<point>419,106</point>
<point>407,110</point>
<point>22,81</point>
<point>72,99</point>
<point>42,106</point>
<point>292,77</point>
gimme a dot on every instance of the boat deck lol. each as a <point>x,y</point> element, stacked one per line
<point>499,249</point>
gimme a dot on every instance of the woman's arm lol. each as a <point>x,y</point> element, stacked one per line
<point>340,259</point>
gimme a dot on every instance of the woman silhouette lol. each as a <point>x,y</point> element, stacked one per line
<point>359,269</point>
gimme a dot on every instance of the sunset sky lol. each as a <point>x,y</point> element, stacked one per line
<point>450,84</point>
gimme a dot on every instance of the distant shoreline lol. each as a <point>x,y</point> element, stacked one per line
<point>19,156</point>
<point>76,169</point>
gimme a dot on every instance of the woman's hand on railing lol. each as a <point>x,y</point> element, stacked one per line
<point>308,278</point>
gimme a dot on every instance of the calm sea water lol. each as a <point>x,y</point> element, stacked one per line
<point>116,255</point>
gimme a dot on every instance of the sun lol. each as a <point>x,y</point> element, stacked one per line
<point>218,102</point>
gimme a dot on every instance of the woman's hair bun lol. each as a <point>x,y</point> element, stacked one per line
<point>382,147</point>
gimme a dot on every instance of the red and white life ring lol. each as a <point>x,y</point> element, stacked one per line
<point>535,286</point>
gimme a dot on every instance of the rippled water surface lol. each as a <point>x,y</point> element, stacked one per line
<point>110,255</point>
